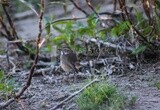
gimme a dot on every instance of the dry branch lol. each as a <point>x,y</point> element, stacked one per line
<point>18,95</point>
<point>79,8</point>
<point>74,94</point>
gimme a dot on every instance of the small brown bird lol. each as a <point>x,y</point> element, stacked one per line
<point>68,61</point>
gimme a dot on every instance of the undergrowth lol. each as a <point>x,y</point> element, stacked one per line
<point>101,96</point>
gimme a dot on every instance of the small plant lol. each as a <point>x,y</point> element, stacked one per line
<point>71,31</point>
<point>7,86</point>
<point>101,96</point>
<point>157,85</point>
<point>132,101</point>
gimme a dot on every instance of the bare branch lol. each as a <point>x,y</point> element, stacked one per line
<point>79,8</point>
<point>37,54</point>
<point>18,95</point>
<point>74,94</point>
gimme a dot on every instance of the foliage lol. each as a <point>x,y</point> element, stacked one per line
<point>7,86</point>
<point>132,101</point>
<point>101,96</point>
<point>120,29</point>
<point>70,31</point>
<point>139,49</point>
<point>157,84</point>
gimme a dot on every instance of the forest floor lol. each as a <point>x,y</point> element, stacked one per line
<point>48,90</point>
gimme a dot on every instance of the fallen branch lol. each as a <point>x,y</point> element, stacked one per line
<point>5,104</point>
<point>74,94</point>
<point>108,44</point>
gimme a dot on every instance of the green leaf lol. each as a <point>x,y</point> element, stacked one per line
<point>120,29</point>
<point>140,49</point>
<point>48,28</point>
<point>91,22</point>
<point>141,23</point>
<point>1,75</point>
<point>2,86</point>
<point>48,48</point>
<point>58,29</point>
<point>114,31</point>
<point>82,31</point>
<point>147,30</point>
<point>157,3</point>
<point>59,39</point>
<point>139,17</point>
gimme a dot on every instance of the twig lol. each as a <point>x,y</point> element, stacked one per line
<point>14,66</point>
<point>5,104</point>
<point>74,94</point>
<point>7,57</point>
<point>39,71</point>
<point>115,5</point>
<point>18,95</point>
<point>10,22</point>
<point>37,54</point>
<point>3,34</point>
<point>79,8</point>
<point>97,14</point>
<point>8,36</point>
<point>4,56</point>
<point>108,44</point>
<point>90,6</point>
<point>30,6</point>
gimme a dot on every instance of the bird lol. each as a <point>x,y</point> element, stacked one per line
<point>68,61</point>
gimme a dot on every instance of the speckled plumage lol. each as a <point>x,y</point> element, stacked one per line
<point>68,60</point>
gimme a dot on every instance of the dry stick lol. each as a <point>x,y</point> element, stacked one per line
<point>30,6</point>
<point>90,6</point>
<point>5,28</point>
<point>37,54</point>
<point>14,66</point>
<point>7,103</point>
<point>7,57</point>
<point>97,14</point>
<point>10,22</point>
<point>3,105</point>
<point>115,5</point>
<point>3,34</point>
<point>154,20</point>
<point>121,4</point>
<point>79,8</point>
<point>74,94</point>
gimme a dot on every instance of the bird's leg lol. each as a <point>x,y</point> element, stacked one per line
<point>66,76</point>
<point>75,77</point>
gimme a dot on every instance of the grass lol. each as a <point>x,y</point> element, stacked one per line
<point>101,96</point>
<point>157,85</point>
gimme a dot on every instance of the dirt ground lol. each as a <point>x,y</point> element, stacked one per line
<point>47,90</point>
